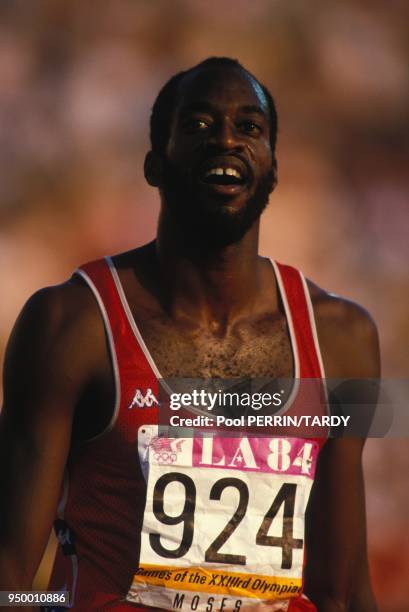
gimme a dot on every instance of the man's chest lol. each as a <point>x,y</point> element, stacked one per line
<point>254,348</point>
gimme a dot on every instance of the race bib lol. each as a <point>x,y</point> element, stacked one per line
<point>223,526</point>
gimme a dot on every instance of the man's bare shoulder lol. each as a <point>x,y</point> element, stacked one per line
<point>68,305</point>
<point>347,335</point>
<point>59,328</point>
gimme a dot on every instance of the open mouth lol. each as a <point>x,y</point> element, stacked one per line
<point>223,176</point>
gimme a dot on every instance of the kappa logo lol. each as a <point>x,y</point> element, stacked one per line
<point>65,536</point>
<point>144,401</point>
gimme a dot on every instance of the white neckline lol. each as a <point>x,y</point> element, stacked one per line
<point>130,317</point>
<point>293,339</point>
<point>151,361</point>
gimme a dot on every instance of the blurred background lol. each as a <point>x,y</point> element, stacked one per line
<point>77,81</point>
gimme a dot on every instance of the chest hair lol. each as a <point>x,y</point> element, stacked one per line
<point>253,348</point>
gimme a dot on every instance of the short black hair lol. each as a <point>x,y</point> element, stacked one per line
<point>164,105</point>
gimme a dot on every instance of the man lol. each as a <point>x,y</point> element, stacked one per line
<point>198,302</point>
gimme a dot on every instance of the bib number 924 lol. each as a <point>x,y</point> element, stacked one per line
<point>285,498</point>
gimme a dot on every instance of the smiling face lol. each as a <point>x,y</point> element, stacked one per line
<point>218,167</point>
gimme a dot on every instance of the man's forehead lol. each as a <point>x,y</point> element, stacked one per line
<point>221,82</point>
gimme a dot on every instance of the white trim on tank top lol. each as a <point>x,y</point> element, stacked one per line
<point>313,325</point>
<point>130,317</point>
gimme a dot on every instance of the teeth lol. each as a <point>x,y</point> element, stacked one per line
<point>221,171</point>
<point>232,172</point>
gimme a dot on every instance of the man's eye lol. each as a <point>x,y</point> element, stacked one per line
<point>250,127</point>
<point>196,125</point>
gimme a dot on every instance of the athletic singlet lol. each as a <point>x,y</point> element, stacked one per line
<point>199,523</point>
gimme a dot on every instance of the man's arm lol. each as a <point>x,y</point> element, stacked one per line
<point>337,577</point>
<point>337,567</point>
<point>48,364</point>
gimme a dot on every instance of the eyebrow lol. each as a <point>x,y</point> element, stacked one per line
<point>197,107</point>
<point>208,107</point>
<point>253,108</point>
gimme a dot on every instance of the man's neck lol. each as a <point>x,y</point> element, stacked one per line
<point>210,285</point>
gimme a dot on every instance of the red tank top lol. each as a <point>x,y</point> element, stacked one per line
<point>146,520</point>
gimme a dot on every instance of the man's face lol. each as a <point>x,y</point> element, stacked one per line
<point>219,168</point>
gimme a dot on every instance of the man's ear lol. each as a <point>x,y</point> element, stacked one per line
<point>153,169</point>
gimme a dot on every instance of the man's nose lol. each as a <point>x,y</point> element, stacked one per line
<point>224,135</point>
